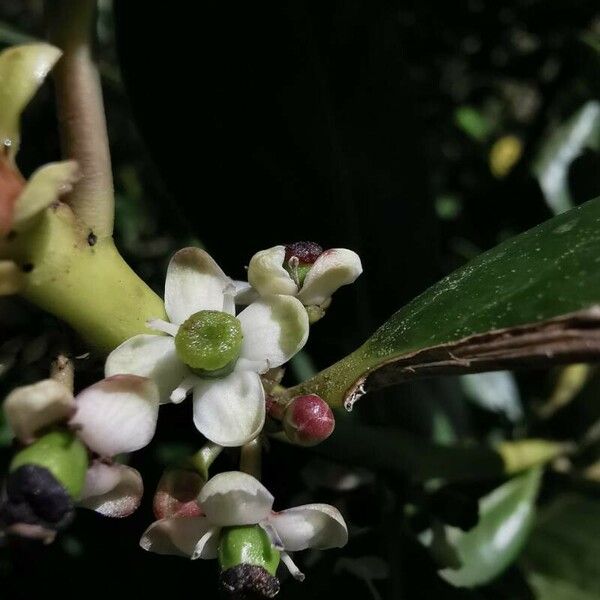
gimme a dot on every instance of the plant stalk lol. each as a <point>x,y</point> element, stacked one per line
<point>82,121</point>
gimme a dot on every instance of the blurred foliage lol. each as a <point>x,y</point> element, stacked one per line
<point>409,131</point>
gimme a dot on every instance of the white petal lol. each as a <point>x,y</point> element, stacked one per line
<point>180,536</point>
<point>244,293</point>
<point>267,275</point>
<point>117,414</point>
<point>22,70</point>
<point>112,490</point>
<point>195,282</point>
<point>235,498</point>
<point>230,411</point>
<point>317,526</point>
<point>229,302</point>
<point>275,328</point>
<point>33,407</point>
<point>152,356</point>
<point>333,269</point>
<point>44,187</point>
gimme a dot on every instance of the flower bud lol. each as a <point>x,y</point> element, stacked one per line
<point>248,563</point>
<point>308,420</point>
<point>177,494</point>
<point>62,454</point>
<point>32,408</point>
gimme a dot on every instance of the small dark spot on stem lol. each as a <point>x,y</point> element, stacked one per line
<point>27,268</point>
<point>11,235</point>
<point>92,239</point>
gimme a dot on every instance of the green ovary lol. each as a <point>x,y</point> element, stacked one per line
<point>62,454</point>
<point>209,340</point>
<point>247,544</point>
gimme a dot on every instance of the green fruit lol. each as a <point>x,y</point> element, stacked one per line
<point>248,544</point>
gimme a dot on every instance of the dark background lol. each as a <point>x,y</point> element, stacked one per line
<point>243,125</point>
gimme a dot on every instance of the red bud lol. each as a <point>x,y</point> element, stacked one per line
<point>308,420</point>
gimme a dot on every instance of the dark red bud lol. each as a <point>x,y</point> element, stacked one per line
<point>308,420</point>
<point>306,252</point>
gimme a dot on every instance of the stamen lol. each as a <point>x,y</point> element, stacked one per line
<point>164,326</point>
<point>293,269</point>
<point>202,542</point>
<point>295,572</point>
<point>181,391</point>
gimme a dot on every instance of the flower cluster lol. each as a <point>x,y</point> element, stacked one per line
<point>69,449</point>
<point>228,359</point>
<point>225,343</point>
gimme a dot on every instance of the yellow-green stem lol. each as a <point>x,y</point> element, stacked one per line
<point>204,458</point>
<point>251,458</point>
<point>82,280</point>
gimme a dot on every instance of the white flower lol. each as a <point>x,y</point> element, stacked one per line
<point>227,353</point>
<point>278,270</point>
<point>236,499</point>
<point>114,416</point>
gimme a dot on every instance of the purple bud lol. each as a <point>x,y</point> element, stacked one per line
<point>308,420</point>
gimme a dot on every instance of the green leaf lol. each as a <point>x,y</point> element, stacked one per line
<point>532,300</point>
<point>548,588</point>
<point>497,392</point>
<point>473,122</point>
<point>561,148</point>
<point>564,546</point>
<point>505,520</point>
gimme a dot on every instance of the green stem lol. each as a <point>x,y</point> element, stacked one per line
<point>81,112</point>
<point>82,280</point>
<point>204,458</point>
<point>251,458</point>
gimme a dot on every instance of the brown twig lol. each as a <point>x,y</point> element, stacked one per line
<point>82,121</point>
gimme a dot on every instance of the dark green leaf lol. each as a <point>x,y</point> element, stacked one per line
<point>547,588</point>
<point>532,300</point>
<point>505,519</point>
<point>564,547</point>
